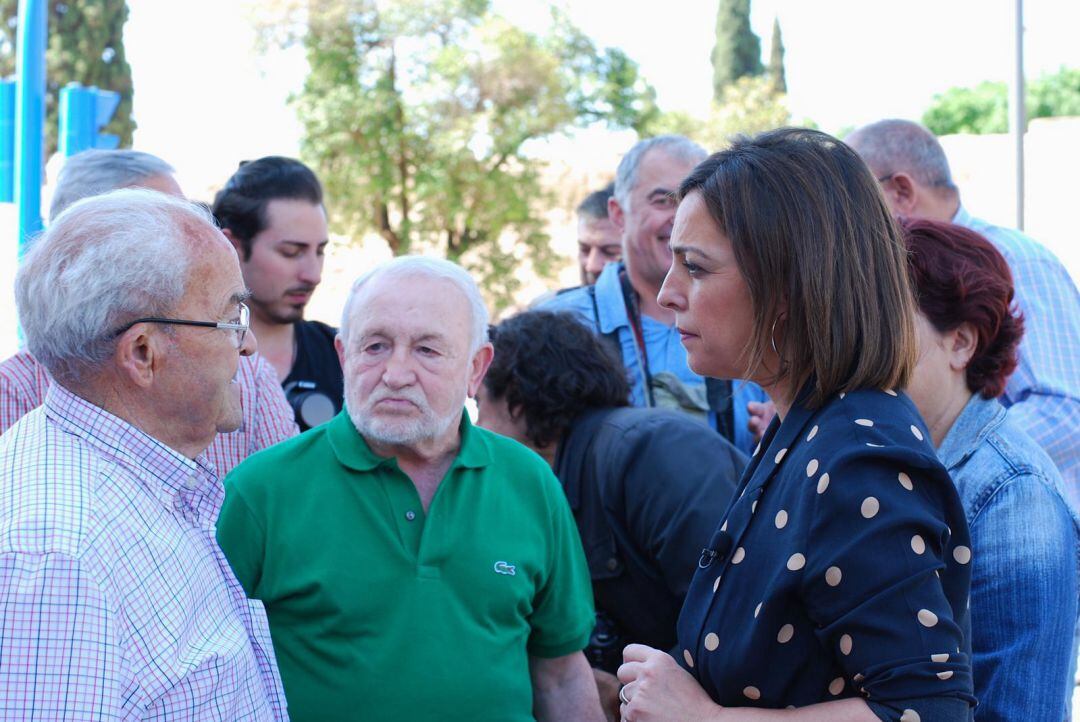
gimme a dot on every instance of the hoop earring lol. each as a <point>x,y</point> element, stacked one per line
<point>772,341</point>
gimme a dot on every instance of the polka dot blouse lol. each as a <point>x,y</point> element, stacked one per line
<point>841,569</point>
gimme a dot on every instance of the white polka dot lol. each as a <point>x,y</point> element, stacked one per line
<point>753,507</point>
<point>811,468</point>
<point>712,641</point>
<point>927,618</point>
<point>845,644</point>
<point>915,431</point>
<point>842,394</point>
<point>910,715</point>
<point>836,686</point>
<point>864,422</point>
<point>905,481</point>
<point>823,483</point>
<point>917,544</point>
<point>944,675</point>
<point>738,556</point>
<point>875,446</point>
<point>757,609</point>
<point>757,448</point>
<point>812,434</point>
<point>796,562</point>
<point>890,392</point>
<point>870,507</point>
<point>751,693</point>
<point>723,527</point>
<point>785,634</point>
<point>779,456</point>
<point>716,584</point>
<point>962,554</point>
<point>688,657</point>
<point>833,575</point>
<point>941,658</point>
<point>858,678</point>
<point>781,519</point>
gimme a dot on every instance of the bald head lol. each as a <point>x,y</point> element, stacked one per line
<point>891,146</point>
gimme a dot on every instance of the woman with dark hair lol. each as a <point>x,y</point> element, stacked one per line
<point>837,581</point>
<point>645,485</point>
<point>1024,537</point>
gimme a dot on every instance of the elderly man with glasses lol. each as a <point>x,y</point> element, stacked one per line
<point>115,600</point>
<point>267,417</point>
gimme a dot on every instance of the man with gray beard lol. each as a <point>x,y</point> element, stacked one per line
<point>414,566</point>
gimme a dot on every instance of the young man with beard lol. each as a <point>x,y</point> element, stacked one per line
<point>272,211</point>
<point>414,566</point>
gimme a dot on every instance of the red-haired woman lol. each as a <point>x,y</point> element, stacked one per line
<point>1024,537</point>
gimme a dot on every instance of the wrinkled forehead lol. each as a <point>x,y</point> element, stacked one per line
<point>409,306</point>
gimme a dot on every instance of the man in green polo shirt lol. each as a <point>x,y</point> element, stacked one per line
<point>413,566</point>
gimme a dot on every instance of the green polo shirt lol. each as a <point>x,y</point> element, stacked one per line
<point>379,611</point>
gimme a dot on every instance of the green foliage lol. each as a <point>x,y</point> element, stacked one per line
<point>1056,94</point>
<point>979,110</point>
<point>86,45</point>
<point>776,59</point>
<point>985,108</point>
<point>737,52</point>
<point>417,113</point>
<point>748,106</point>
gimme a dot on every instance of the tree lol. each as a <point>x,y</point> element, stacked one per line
<point>417,115</point>
<point>776,59</point>
<point>737,52</point>
<point>985,108</point>
<point>85,45</point>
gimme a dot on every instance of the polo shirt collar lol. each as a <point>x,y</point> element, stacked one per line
<point>352,450</point>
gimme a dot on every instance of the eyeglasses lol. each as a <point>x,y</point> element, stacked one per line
<point>241,327</point>
<point>887,178</point>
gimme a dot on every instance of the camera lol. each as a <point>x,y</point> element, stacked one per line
<point>311,406</point>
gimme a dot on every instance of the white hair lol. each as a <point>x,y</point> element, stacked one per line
<point>93,172</point>
<point>431,268</point>
<point>895,145</point>
<point>103,262</point>
<point>677,146</point>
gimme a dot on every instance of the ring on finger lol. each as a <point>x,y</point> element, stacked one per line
<point>622,695</point>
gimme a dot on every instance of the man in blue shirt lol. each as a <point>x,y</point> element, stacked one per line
<point>1044,391</point>
<point>622,306</point>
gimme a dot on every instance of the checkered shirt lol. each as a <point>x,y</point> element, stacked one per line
<point>115,599</point>
<point>1044,391</point>
<point>267,420</point>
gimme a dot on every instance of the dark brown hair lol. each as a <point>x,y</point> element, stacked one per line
<point>810,229</point>
<point>959,277</point>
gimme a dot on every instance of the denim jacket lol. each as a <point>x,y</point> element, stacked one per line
<point>1026,551</point>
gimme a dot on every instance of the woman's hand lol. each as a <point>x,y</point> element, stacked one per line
<point>657,689</point>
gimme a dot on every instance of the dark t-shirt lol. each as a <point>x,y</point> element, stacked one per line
<point>315,378</point>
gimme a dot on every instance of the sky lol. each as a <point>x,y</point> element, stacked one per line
<point>205,100</point>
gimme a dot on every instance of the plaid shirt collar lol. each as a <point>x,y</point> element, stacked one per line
<point>187,486</point>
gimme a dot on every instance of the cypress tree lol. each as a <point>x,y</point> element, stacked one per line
<point>737,52</point>
<point>776,59</point>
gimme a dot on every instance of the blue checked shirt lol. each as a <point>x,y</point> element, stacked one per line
<point>1044,392</point>
<point>115,600</point>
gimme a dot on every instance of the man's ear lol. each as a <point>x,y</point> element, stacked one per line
<point>236,244</point>
<point>902,193</point>
<point>138,355</point>
<point>339,346</point>
<point>481,360</point>
<point>615,214</point>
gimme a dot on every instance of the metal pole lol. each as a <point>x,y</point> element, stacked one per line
<point>1018,118</point>
<point>30,116</point>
